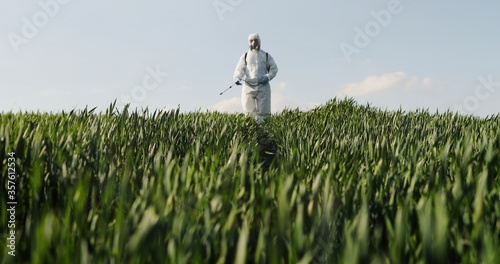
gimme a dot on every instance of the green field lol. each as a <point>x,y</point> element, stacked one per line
<point>343,183</point>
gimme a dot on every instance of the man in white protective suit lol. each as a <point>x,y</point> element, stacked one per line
<point>257,67</point>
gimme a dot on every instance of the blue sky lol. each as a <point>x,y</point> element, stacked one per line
<point>68,54</point>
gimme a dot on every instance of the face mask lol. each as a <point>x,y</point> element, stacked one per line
<point>254,44</point>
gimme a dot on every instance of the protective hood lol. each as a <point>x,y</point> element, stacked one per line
<point>254,41</point>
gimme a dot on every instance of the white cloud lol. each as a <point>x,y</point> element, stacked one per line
<point>386,82</point>
<point>230,105</point>
<point>281,101</point>
<point>52,92</point>
<point>372,84</point>
<point>431,84</point>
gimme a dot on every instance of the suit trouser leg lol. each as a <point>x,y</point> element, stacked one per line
<point>263,102</point>
<point>248,101</point>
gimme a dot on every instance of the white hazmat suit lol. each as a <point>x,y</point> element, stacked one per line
<point>258,68</point>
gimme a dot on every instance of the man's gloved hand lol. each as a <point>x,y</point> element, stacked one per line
<point>238,82</point>
<point>263,79</point>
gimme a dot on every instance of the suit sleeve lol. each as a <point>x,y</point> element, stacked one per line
<point>239,71</point>
<point>273,68</point>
